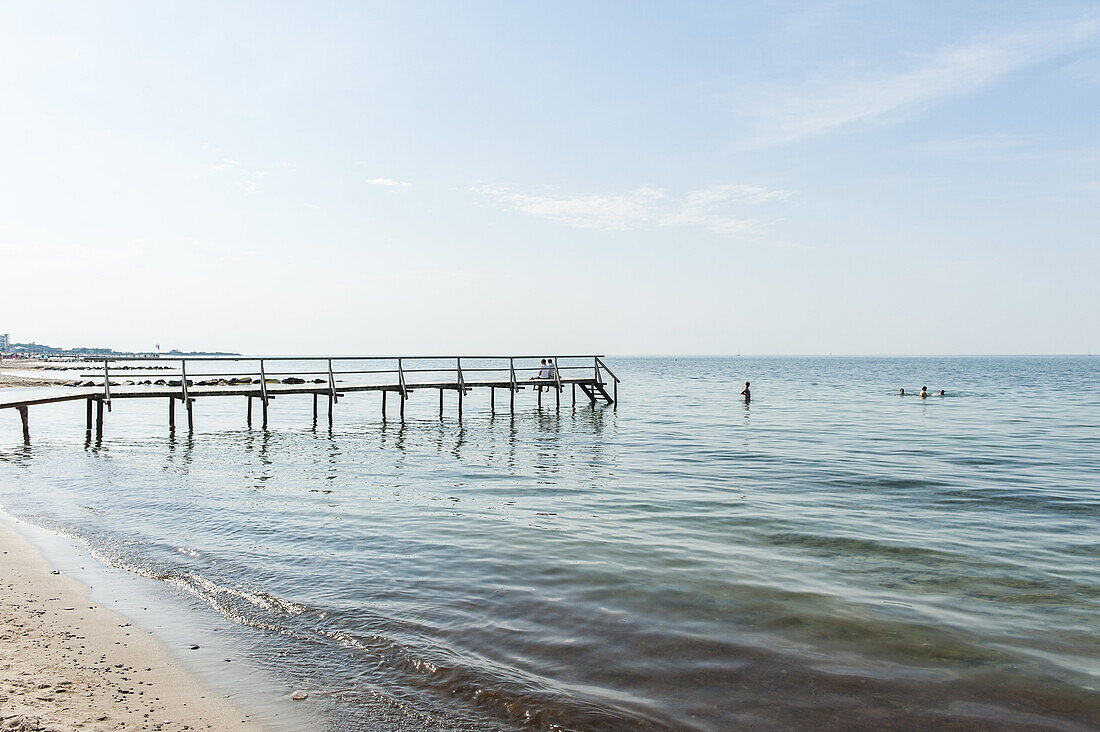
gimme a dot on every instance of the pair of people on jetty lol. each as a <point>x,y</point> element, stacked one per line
<point>547,371</point>
<point>923,392</point>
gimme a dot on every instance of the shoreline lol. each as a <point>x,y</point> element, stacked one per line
<point>70,662</point>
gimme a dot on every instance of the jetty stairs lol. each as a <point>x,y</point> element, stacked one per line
<point>263,378</point>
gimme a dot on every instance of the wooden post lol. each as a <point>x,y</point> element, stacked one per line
<point>331,401</point>
<point>314,408</point>
<point>539,389</point>
<point>263,404</point>
<point>190,415</point>
<point>512,401</point>
<point>99,418</point>
<point>574,393</point>
<point>492,400</point>
<point>557,395</point>
<point>383,404</point>
<point>249,411</point>
<point>171,413</point>
<point>403,398</point>
<point>25,416</point>
<point>89,428</point>
<point>441,403</point>
<point>460,390</point>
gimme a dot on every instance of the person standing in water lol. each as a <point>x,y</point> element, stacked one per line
<point>745,392</point>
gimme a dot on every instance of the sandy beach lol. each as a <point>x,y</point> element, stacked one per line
<point>10,378</point>
<point>67,663</point>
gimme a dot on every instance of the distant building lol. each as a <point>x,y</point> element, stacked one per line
<point>5,341</point>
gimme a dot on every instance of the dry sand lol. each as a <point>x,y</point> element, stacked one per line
<point>8,379</point>
<point>68,664</point>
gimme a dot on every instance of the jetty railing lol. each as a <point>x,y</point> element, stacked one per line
<point>185,378</point>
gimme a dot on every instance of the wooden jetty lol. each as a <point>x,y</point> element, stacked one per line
<point>264,378</point>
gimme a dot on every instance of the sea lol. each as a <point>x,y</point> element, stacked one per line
<point>830,555</point>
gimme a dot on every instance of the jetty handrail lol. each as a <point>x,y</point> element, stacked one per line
<point>320,357</point>
<point>263,383</point>
<point>106,384</point>
<point>401,381</point>
<point>461,380</point>
<point>512,369</point>
<point>612,373</point>
<point>183,379</point>
<point>557,374</point>
<point>331,383</point>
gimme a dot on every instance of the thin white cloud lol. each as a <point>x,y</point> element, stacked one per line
<point>389,183</point>
<point>717,208</point>
<point>822,103</point>
<point>247,180</point>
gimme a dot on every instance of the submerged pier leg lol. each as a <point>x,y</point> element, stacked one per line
<point>264,413</point>
<point>441,403</point>
<point>557,398</point>
<point>190,415</point>
<point>331,401</point>
<point>314,409</point>
<point>99,418</point>
<point>249,412</point>
<point>171,413</point>
<point>24,415</point>
<point>539,389</point>
<point>403,398</point>
<point>512,401</point>
<point>89,420</point>
<point>492,400</point>
<point>460,392</point>
<point>383,404</point>
<point>574,395</point>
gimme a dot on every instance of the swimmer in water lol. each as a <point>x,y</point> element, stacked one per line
<point>942,393</point>
<point>924,392</point>
<point>901,391</point>
<point>745,392</point>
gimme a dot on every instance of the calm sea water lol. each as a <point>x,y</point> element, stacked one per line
<point>830,555</point>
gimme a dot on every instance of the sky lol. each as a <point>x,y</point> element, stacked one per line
<point>615,178</point>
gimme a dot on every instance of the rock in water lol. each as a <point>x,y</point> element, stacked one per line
<point>299,696</point>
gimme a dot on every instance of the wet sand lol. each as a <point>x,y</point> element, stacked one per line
<point>67,663</point>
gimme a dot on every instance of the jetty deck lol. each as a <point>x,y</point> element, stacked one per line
<point>263,378</point>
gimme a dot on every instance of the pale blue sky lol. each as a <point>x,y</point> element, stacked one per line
<point>617,177</point>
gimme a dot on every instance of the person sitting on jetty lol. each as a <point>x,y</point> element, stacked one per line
<point>746,393</point>
<point>551,369</point>
<point>544,373</point>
